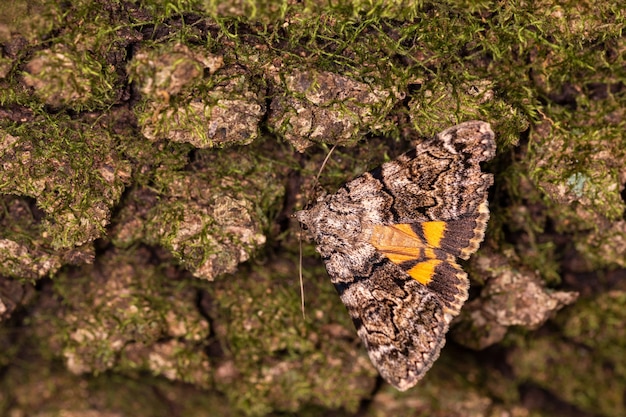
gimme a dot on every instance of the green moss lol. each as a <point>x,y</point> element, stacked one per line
<point>94,95</point>
<point>212,215</point>
<point>179,103</point>
<point>64,76</point>
<point>571,373</point>
<point>325,107</point>
<point>71,169</point>
<point>598,324</point>
<point>585,367</point>
<point>40,389</point>
<point>278,360</point>
<point>578,165</point>
<point>121,314</point>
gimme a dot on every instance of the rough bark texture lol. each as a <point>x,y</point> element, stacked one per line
<point>152,155</point>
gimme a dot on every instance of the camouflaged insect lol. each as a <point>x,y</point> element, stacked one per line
<point>390,239</point>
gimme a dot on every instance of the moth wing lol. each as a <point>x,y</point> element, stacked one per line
<point>440,179</point>
<point>399,320</point>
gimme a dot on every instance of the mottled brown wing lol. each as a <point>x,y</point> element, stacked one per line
<point>441,178</point>
<point>400,322</point>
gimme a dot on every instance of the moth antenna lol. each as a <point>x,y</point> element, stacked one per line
<point>323,165</point>
<point>300,275</point>
<point>300,235</point>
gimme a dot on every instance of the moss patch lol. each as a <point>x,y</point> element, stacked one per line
<point>144,144</point>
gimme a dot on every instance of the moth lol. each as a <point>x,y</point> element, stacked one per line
<point>390,240</point>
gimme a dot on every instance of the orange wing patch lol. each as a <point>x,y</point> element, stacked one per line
<point>433,232</point>
<point>400,243</point>
<point>424,271</point>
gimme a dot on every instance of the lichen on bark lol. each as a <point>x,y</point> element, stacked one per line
<point>144,145</point>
